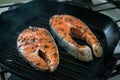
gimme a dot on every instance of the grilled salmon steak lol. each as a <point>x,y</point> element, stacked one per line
<point>39,48</point>
<point>64,27</point>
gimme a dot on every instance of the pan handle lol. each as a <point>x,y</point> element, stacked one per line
<point>119,32</point>
<point>116,53</point>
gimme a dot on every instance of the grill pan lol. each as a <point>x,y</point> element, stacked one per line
<point>37,13</point>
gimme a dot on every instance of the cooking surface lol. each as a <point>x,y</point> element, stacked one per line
<point>75,68</point>
<point>63,61</point>
<point>73,71</point>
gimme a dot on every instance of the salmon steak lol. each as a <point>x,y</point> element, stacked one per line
<point>66,27</point>
<point>38,47</point>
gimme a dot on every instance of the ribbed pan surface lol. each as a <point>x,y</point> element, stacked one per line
<point>68,69</point>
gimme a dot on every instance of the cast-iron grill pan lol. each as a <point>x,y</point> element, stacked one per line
<point>37,13</point>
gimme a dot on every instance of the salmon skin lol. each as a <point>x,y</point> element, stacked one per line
<point>64,27</point>
<point>39,48</point>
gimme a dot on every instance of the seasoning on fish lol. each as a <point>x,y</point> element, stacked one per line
<point>64,27</point>
<point>39,48</point>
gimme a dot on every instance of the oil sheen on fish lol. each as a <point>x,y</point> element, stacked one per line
<point>39,48</point>
<point>64,27</point>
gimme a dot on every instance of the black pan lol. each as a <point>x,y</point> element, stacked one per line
<point>37,13</point>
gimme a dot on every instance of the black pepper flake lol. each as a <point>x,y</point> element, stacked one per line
<point>32,47</point>
<point>19,46</point>
<point>45,33</point>
<point>69,20</point>
<point>23,39</point>
<point>96,50</point>
<point>66,19</point>
<point>61,29</point>
<point>48,61</point>
<point>33,39</point>
<point>61,18</point>
<point>36,45</point>
<point>79,27</point>
<point>55,54</point>
<point>82,54</point>
<point>60,22</point>
<point>46,46</point>
<point>33,29</point>
<point>49,41</point>
<point>26,43</point>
